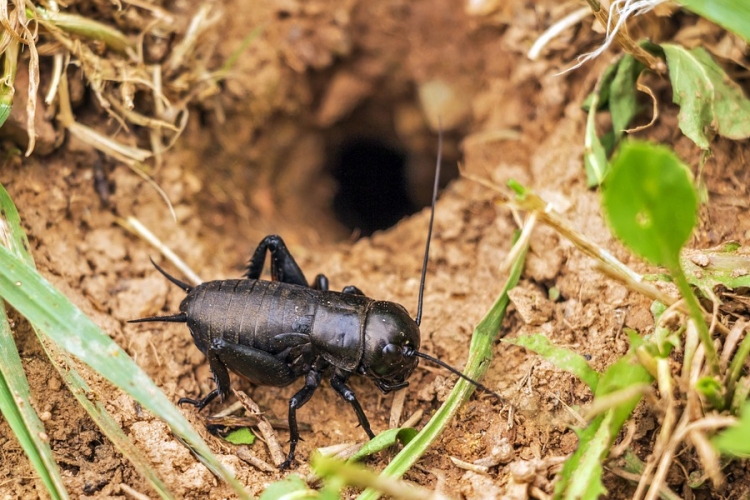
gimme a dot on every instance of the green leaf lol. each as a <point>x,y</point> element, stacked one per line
<point>332,488</point>
<point>594,155</point>
<point>623,103</point>
<point>291,484</point>
<point>712,390</point>
<point>733,15</point>
<point>602,96</point>
<point>562,358</point>
<point>582,472</point>
<point>736,440</point>
<point>516,187</point>
<point>581,476</point>
<point>710,102</point>
<point>615,91</point>
<point>243,435</point>
<point>384,440</point>
<point>650,202</point>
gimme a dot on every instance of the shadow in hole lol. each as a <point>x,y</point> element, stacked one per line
<point>372,187</point>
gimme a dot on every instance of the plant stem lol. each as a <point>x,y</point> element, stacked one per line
<point>696,313</point>
<point>623,38</point>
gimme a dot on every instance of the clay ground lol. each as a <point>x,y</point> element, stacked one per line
<point>258,167</point>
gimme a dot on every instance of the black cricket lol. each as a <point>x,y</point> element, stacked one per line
<point>274,332</point>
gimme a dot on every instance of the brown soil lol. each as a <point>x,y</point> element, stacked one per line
<point>252,163</point>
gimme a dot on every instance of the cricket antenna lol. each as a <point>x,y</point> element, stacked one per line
<point>175,318</point>
<point>418,319</point>
<point>456,372</point>
<point>174,280</point>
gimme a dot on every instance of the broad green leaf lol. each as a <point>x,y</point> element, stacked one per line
<point>562,358</point>
<point>46,308</point>
<point>736,440</point>
<point>710,102</point>
<point>384,440</point>
<point>594,156</point>
<point>243,435</point>
<point>733,15</point>
<point>348,473</point>
<point>290,484</point>
<point>650,201</point>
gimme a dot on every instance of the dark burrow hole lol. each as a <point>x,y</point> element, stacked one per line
<point>379,182</point>
<point>372,185</point>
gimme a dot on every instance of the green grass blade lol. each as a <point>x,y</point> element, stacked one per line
<point>85,27</point>
<point>290,485</point>
<point>480,355</point>
<point>384,440</point>
<point>70,329</point>
<point>562,358</point>
<point>14,238</point>
<point>15,404</point>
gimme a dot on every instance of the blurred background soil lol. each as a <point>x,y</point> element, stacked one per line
<point>324,132</point>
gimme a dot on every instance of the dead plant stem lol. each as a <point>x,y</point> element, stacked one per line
<point>623,38</point>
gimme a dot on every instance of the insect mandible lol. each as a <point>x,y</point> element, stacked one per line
<point>274,332</point>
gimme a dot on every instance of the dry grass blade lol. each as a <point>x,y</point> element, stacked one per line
<point>556,29</point>
<point>200,23</point>
<point>265,428</point>
<point>13,22</point>
<point>87,28</point>
<point>135,226</point>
